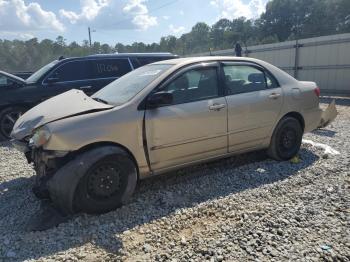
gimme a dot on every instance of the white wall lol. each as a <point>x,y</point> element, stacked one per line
<point>324,60</point>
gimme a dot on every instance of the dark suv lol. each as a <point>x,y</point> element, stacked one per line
<point>89,74</point>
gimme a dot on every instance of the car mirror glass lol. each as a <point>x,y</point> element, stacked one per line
<point>159,99</point>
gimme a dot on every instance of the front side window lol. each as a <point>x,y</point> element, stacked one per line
<point>243,79</point>
<point>71,71</point>
<point>126,87</point>
<point>4,81</point>
<point>109,68</point>
<point>41,72</point>
<point>194,85</point>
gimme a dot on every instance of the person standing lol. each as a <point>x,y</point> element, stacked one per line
<point>238,50</point>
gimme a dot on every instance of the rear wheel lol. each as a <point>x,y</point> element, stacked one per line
<point>8,118</point>
<point>286,139</point>
<point>106,184</point>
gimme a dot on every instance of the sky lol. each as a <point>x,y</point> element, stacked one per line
<point>113,21</point>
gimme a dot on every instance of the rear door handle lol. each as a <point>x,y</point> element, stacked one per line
<point>274,95</point>
<point>217,107</point>
<point>85,87</point>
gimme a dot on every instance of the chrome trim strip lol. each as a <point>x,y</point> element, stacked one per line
<point>187,141</point>
<point>207,138</point>
<point>242,143</point>
<point>196,154</point>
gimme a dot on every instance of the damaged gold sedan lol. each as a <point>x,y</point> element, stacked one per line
<point>89,152</point>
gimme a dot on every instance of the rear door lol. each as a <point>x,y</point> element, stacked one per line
<point>254,103</point>
<point>106,70</point>
<point>194,126</point>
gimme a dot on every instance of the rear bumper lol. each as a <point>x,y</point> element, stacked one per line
<point>312,118</point>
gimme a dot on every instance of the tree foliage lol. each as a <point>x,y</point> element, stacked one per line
<point>282,20</point>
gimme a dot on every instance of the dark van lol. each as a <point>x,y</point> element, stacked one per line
<point>89,74</point>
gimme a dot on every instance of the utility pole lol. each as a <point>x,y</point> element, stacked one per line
<point>297,46</point>
<point>89,36</point>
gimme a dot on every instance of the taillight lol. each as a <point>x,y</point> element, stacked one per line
<point>317,91</point>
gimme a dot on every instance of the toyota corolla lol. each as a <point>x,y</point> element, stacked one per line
<point>89,152</point>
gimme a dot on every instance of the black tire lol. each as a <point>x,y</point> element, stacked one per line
<point>8,117</point>
<point>286,139</point>
<point>104,187</point>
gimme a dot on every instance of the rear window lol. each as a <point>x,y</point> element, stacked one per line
<point>109,68</point>
<point>141,61</point>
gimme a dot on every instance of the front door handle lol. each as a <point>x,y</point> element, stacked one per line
<point>274,95</point>
<point>217,107</point>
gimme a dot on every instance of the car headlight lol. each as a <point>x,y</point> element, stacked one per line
<point>40,137</point>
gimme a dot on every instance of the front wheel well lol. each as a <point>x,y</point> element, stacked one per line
<point>298,117</point>
<point>101,144</point>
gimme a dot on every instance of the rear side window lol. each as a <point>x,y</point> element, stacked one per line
<point>147,60</point>
<point>109,68</point>
<point>244,79</point>
<point>72,71</point>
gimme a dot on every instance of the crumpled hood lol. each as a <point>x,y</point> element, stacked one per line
<point>68,104</point>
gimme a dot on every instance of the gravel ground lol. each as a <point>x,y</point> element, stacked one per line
<point>237,209</point>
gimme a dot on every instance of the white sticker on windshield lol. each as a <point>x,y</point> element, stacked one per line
<point>151,73</point>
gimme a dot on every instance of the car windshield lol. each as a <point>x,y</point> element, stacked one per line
<point>38,74</point>
<point>4,81</point>
<point>123,89</point>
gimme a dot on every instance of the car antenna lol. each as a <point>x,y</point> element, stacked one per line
<point>61,58</point>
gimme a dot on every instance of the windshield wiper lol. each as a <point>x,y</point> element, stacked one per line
<point>100,100</point>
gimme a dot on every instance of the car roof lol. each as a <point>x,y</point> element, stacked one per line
<point>190,60</point>
<point>135,55</point>
<point>120,55</point>
<point>281,76</point>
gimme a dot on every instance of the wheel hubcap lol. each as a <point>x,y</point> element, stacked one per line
<point>104,181</point>
<point>8,121</point>
<point>288,139</point>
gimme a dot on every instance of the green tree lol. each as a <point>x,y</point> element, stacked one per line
<point>282,20</point>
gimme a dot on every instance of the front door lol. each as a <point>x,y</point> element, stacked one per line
<point>194,126</point>
<point>70,75</point>
<point>254,103</point>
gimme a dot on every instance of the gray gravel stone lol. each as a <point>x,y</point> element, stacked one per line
<point>244,208</point>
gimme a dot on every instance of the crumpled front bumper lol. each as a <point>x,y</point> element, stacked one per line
<point>46,163</point>
<point>20,145</point>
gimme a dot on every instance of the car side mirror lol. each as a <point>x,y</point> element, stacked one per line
<point>159,99</point>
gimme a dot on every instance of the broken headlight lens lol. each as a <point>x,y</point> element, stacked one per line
<point>40,137</point>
